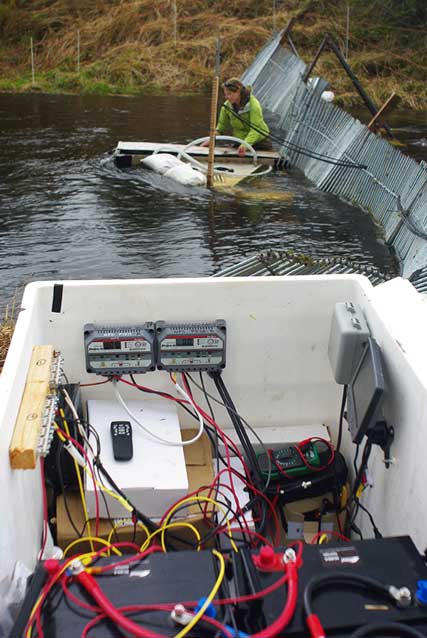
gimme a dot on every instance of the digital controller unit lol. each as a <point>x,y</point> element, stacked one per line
<point>187,347</point>
<point>117,350</point>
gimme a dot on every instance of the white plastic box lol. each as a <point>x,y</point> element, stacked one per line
<point>156,476</point>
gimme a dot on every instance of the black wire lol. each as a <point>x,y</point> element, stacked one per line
<point>291,146</point>
<point>206,538</point>
<point>63,490</point>
<point>238,426</point>
<point>393,627</point>
<point>359,474</point>
<point>250,428</point>
<point>341,421</point>
<point>247,447</point>
<point>341,578</point>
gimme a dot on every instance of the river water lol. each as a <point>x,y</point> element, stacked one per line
<point>66,212</point>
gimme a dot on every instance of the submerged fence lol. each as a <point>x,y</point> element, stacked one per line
<point>391,186</point>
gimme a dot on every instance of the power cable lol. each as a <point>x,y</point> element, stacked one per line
<point>295,147</point>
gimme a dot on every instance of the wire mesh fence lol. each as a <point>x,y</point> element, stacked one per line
<point>341,155</point>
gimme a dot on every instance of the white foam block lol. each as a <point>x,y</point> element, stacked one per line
<point>156,476</point>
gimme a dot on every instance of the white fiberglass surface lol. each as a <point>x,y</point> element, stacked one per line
<point>277,368</point>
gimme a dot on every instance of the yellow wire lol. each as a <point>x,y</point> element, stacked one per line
<point>83,558</point>
<point>99,485</point>
<point>140,525</point>
<point>102,487</point>
<point>204,499</point>
<point>91,539</point>
<point>161,530</point>
<point>323,538</point>
<point>209,598</point>
<point>79,480</point>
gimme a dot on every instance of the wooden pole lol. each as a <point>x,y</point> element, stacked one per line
<point>347,31</point>
<point>32,61</point>
<point>175,22</point>
<point>214,108</point>
<point>78,50</point>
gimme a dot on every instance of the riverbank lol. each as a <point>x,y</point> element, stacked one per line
<point>6,332</point>
<point>134,48</point>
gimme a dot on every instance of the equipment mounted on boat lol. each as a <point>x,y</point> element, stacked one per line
<point>229,168</point>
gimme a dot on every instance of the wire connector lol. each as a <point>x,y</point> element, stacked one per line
<point>267,560</point>
<point>75,567</point>
<point>402,596</point>
<point>315,627</point>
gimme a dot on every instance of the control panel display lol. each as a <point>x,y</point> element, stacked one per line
<point>186,347</point>
<point>117,350</point>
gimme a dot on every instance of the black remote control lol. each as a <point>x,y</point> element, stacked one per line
<point>121,437</point>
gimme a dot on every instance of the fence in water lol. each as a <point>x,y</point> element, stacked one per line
<point>363,169</point>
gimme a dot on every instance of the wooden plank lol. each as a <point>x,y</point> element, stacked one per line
<point>40,364</point>
<point>146,148</point>
<point>23,446</point>
<point>378,119</point>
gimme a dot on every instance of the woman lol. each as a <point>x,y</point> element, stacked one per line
<point>240,112</point>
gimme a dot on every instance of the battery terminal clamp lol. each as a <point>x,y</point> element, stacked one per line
<point>267,560</point>
<point>401,595</point>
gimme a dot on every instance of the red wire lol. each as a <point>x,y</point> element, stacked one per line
<point>92,473</point>
<point>287,614</point>
<point>299,448</point>
<point>89,583</point>
<point>249,532</point>
<point>45,510</point>
<point>151,391</point>
<point>160,607</point>
<point>248,482</point>
<point>77,601</point>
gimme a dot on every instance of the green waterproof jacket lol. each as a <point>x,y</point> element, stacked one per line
<point>250,113</point>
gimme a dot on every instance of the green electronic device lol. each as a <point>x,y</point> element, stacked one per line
<point>289,460</point>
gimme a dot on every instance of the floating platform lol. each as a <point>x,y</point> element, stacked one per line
<point>129,154</point>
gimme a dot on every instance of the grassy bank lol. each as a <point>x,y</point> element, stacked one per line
<point>129,46</point>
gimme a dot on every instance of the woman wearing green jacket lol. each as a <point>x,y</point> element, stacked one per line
<point>239,113</point>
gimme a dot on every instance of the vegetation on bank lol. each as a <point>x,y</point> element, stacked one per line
<point>132,47</point>
<point>7,326</point>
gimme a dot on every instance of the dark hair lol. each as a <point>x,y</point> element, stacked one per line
<point>234,84</point>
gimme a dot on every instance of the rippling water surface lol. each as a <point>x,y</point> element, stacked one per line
<point>67,212</point>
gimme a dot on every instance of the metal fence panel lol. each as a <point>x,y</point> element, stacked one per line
<point>392,187</point>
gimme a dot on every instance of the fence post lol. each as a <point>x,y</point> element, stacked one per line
<point>32,61</point>
<point>175,21</point>
<point>78,51</point>
<point>347,31</point>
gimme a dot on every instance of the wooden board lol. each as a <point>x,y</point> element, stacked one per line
<point>147,148</point>
<point>23,446</point>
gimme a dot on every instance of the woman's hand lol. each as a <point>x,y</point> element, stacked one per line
<point>241,151</point>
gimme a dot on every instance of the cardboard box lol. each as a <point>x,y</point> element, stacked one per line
<point>198,461</point>
<point>299,517</point>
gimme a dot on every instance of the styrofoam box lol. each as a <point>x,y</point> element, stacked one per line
<point>156,476</point>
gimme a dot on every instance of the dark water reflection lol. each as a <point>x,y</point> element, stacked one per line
<point>67,212</point>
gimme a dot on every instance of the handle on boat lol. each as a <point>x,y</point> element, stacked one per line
<point>228,138</point>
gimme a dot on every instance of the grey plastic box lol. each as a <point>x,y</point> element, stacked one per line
<point>348,336</point>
